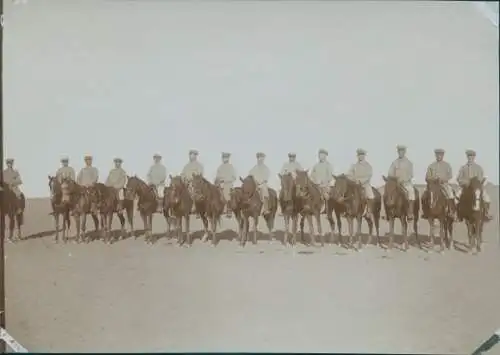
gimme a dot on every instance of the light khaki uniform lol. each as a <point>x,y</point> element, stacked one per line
<point>226,176</point>
<point>117,179</point>
<point>467,172</point>
<point>65,172</point>
<point>157,175</point>
<point>88,176</point>
<point>261,174</point>
<point>13,179</point>
<point>362,172</point>
<point>402,169</point>
<point>191,168</point>
<point>441,170</point>
<point>321,175</point>
<point>291,167</point>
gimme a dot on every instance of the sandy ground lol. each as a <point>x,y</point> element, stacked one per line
<point>136,297</point>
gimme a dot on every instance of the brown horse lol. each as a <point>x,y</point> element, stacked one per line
<point>288,205</point>
<point>108,205</point>
<point>309,204</point>
<point>352,202</point>
<point>471,208</point>
<point>178,204</point>
<point>61,206</point>
<point>251,207</point>
<point>235,206</point>
<point>210,203</point>
<point>147,203</point>
<point>13,207</point>
<point>396,206</point>
<point>82,201</point>
<point>435,205</point>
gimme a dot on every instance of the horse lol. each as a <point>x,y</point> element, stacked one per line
<point>179,203</point>
<point>309,203</point>
<point>210,203</point>
<point>288,206</point>
<point>60,202</point>
<point>352,202</point>
<point>251,207</point>
<point>235,206</point>
<point>82,200</point>
<point>108,205</point>
<point>471,209</point>
<point>147,204</point>
<point>396,206</point>
<point>13,207</point>
<point>435,206</point>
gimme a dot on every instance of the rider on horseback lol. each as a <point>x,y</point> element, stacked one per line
<point>157,175</point>
<point>261,174</point>
<point>361,172</point>
<point>321,175</point>
<point>191,168</point>
<point>225,178</point>
<point>291,166</point>
<point>12,179</point>
<point>117,179</point>
<point>466,173</point>
<point>89,175</point>
<point>402,170</point>
<point>65,171</point>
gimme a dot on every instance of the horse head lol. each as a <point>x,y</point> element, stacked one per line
<point>248,188</point>
<point>475,187</point>
<point>198,186</point>
<point>133,187</point>
<point>436,194</point>
<point>54,186</point>
<point>391,190</point>
<point>68,188</point>
<point>177,188</point>
<point>341,187</point>
<point>287,186</point>
<point>302,183</point>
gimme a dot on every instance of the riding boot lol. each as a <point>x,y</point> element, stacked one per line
<point>411,205</point>
<point>487,213</point>
<point>119,206</point>
<point>369,208</point>
<point>265,207</point>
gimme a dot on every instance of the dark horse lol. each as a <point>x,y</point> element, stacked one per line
<point>435,205</point>
<point>13,207</point>
<point>288,205</point>
<point>396,205</point>
<point>309,204</point>
<point>108,205</point>
<point>236,207</point>
<point>471,208</point>
<point>147,203</point>
<point>209,203</point>
<point>82,201</point>
<point>352,202</point>
<point>251,207</point>
<point>60,207</point>
<point>178,204</point>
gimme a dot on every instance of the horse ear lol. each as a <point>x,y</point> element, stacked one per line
<point>334,177</point>
<point>280,176</point>
<point>385,179</point>
<point>50,177</point>
<point>306,171</point>
<point>483,181</point>
<point>241,179</point>
<point>170,176</point>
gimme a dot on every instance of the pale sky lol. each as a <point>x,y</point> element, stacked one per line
<point>129,79</point>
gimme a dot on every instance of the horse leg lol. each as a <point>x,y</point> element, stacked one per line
<point>431,232</point>
<point>12,225</point>
<point>339,227</point>
<point>294,229</point>
<point>205,227</point>
<point>443,233</point>
<point>213,227</point>
<point>188,233</point>
<point>312,237</point>
<point>130,218</point>
<point>104,224</point>
<point>145,223</point>
<point>270,225</point>
<point>108,227</point>
<point>404,227</point>
<point>302,219</point>
<point>392,221</point>
<point>178,228</point>
<point>96,224</point>
<point>320,230</point>
<point>77,217</point>
<point>84,226</point>
<point>56,226</point>
<point>121,217</point>
<point>255,224</point>
<point>359,220</point>
<point>415,229</point>
<point>329,217</point>
<point>350,225</point>
<point>369,221</point>
<point>286,218</point>
<point>244,228</point>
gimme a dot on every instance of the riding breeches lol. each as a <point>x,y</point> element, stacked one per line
<point>121,194</point>
<point>367,188</point>
<point>486,197</point>
<point>263,191</point>
<point>410,190</point>
<point>325,191</point>
<point>160,189</point>
<point>226,190</point>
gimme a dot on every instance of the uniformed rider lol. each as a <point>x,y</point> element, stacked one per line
<point>261,174</point>
<point>191,168</point>
<point>88,175</point>
<point>65,171</point>
<point>291,166</point>
<point>402,170</point>
<point>117,179</point>
<point>441,170</point>
<point>322,175</point>
<point>225,178</point>
<point>12,179</point>
<point>362,172</point>
<point>468,171</point>
<point>157,175</point>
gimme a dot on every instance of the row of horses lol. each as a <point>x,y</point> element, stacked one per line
<point>299,200</point>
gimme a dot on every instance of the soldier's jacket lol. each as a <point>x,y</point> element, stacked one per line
<point>157,174</point>
<point>88,176</point>
<point>321,173</point>
<point>226,173</point>
<point>402,169</point>
<point>191,168</point>
<point>290,167</point>
<point>260,173</point>
<point>468,171</point>
<point>65,172</point>
<point>361,171</point>
<point>117,178</point>
<point>12,177</point>
<point>439,169</point>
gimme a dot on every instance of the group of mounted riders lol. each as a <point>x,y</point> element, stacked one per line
<point>320,176</point>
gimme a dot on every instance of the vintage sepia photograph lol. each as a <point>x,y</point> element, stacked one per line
<point>249,176</point>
